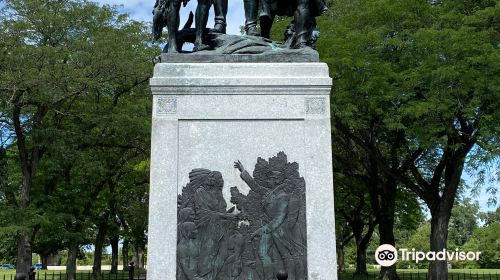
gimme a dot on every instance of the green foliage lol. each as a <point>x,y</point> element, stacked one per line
<point>406,66</point>
<point>491,217</point>
<point>410,68</point>
<point>77,75</point>
<point>416,87</point>
<point>487,241</point>
<point>418,241</point>
<point>409,215</point>
<point>7,248</point>
<point>463,222</point>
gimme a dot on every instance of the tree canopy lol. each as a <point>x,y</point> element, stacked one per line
<point>75,108</point>
<point>416,87</point>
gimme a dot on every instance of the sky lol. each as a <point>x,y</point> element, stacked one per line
<point>142,10</point>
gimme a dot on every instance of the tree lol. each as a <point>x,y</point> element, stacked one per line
<point>416,86</point>
<point>453,86</point>
<point>352,200</point>
<point>48,240</point>
<point>103,159</point>
<point>408,215</point>
<point>59,56</point>
<point>343,235</point>
<point>356,122</point>
<point>491,217</point>
<point>485,240</point>
<point>463,221</point>
<point>7,239</point>
<point>420,241</point>
<point>355,210</point>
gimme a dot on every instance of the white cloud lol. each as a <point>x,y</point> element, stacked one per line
<point>141,10</point>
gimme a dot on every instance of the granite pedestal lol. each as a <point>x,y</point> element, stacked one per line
<point>207,115</point>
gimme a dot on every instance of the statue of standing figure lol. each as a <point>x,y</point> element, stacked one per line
<point>202,11</point>
<point>300,33</point>
<point>166,14</point>
<point>302,30</point>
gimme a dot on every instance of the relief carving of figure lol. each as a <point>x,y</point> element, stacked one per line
<point>281,227</point>
<point>188,253</point>
<point>204,195</point>
<point>266,234</point>
<point>210,208</point>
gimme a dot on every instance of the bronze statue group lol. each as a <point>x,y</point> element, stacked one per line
<point>301,32</point>
<point>265,232</point>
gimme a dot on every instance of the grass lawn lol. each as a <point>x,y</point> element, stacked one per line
<point>420,274</point>
<point>60,275</point>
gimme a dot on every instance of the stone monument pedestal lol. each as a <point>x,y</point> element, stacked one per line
<point>209,115</point>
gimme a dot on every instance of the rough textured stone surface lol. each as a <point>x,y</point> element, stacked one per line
<point>209,115</point>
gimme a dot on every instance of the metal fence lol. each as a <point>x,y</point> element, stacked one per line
<point>48,275</point>
<point>141,275</point>
<point>465,275</point>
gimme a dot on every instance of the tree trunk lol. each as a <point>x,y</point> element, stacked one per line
<point>362,242</point>
<point>362,247</point>
<point>438,270</point>
<point>44,259</point>
<point>4,173</point>
<point>385,217</point>
<point>386,233</point>
<point>441,208</point>
<point>361,261</point>
<point>23,254</point>
<point>71,263</point>
<point>99,244</point>
<point>125,259</point>
<point>114,254</point>
<point>358,226</point>
<point>28,163</point>
<point>383,201</point>
<point>139,257</point>
<point>23,240</point>
<point>340,257</point>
